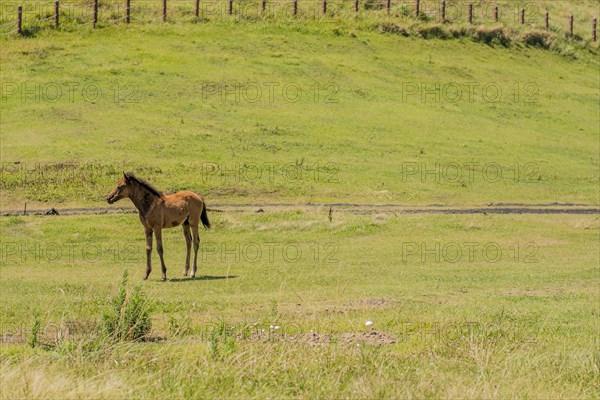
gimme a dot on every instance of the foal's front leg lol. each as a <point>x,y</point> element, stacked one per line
<point>159,248</point>
<point>148,252</point>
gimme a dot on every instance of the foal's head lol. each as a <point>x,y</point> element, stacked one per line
<point>120,191</point>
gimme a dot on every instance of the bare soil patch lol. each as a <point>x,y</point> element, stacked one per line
<point>492,208</point>
<point>371,337</point>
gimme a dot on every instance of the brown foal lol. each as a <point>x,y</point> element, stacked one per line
<point>160,211</point>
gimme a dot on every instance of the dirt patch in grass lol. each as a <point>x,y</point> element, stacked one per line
<point>385,302</point>
<point>360,305</point>
<point>380,210</point>
<point>9,339</point>
<point>372,337</point>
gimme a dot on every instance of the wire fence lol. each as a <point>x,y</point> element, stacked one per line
<point>31,16</point>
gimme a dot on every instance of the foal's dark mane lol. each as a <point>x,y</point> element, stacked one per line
<point>144,183</point>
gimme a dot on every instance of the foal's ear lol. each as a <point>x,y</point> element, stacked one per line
<point>125,177</point>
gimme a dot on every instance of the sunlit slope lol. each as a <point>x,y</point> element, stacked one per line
<point>262,112</point>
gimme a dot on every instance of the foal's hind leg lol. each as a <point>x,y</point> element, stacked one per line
<point>188,244</point>
<point>159,248</point>
<point>196,246</point>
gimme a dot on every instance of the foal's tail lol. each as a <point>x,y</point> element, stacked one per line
<point>204,216</point>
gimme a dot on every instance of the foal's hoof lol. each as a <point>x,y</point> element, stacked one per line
<point>164,279</point>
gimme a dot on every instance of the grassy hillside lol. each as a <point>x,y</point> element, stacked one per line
<point>80,13</point>
<point>274,110</point>
<point>298,111</point>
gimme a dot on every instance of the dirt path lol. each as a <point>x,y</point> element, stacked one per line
<point>492,208</point>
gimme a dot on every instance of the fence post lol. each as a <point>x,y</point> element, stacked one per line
<point>197,8</point>
<point>388,5</point>
<point>128,11</point>
<point>356,6</point>
<point>571,24</point>
<point>20,20</point>
<point>230,7</point>
<point>496,14</point>
<point>547,20</point>
<point>470,13</point>
<point>264,5</point>
<point>522,16</point>
<point>295,7</point>
<point>164,10</point>
<point>417,7</point>
<point>95,13</point>
<point>56,10</point>
<point>595,30</point>
<point>443,10</point>
<point>324,7</point>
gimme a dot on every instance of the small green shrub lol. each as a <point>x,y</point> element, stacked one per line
<point>128,316</point>
<point>390,27</point>
<point>538,38</point>
<point>373,5</point>
<point>493,35</point>
<point>221,341</point>
<point>35,330</point>
<point>460,31</point>
<point>433,31</point>
<point>424,17</point>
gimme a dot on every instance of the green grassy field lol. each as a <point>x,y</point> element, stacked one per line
<point>514,317</point>
<point>277,111</point>
<point>295,112</point>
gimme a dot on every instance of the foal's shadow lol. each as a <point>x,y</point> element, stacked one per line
<point>203,278</point>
